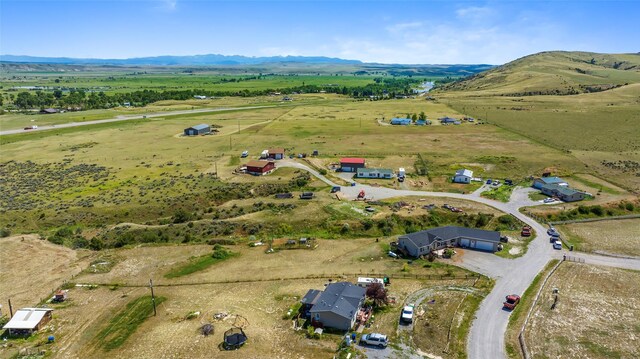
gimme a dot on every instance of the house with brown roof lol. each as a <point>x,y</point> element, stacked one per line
<point>259,168</point>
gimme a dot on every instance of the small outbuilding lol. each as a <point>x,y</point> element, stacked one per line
<point>259,168</point>
<point>201,129</point>
<point>26,321</point>
<point>463,176</point>
<point>374,173</point>
<point>275,153</point>
<point>351,164</point>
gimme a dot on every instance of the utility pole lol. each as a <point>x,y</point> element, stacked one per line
<point>238,125</point>
<point>216,168</point>
<point>10,309</point>
<point>230,146</point>
<point>153,298</point>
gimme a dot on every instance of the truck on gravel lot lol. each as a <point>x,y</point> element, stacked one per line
<point>375,339</point>
<point>511,301</point>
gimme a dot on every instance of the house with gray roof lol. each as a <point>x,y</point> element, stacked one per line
<point>335,307</point>
<point>463,176</point>
<point>422,243</point>
<point>565,193</point>
<point>201,129</point>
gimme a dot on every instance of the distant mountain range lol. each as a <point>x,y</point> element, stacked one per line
<point>211,59</point>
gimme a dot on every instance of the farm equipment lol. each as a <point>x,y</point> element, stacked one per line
<point>361,195</point>
<point>526,231</point>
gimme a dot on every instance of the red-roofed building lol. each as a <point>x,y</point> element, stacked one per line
<point>351,164</point>
<point>260,168</point>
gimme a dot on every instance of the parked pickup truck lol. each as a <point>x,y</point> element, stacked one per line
<point>511,301</point>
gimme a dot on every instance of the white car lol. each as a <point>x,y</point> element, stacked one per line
<point>376,339</point>
<point>549,200</point>
<point>557,245</point>
<point>407,314</point>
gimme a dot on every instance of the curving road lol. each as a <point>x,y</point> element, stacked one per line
<point>486,338</point>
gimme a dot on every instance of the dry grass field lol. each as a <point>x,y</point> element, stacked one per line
<point>596,315</point>
<point>276,282</point>
<point>32,268</point>
<point>617,237</point>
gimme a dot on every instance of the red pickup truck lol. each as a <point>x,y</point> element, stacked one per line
<point>511,301</point>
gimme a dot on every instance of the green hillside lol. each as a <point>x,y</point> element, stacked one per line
<point>555,73</point>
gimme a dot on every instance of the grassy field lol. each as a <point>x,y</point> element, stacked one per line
<point>126,322</point>
<point>618,237</point>
<point>593,304</point>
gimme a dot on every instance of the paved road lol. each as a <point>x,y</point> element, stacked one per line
<point>133,117</point>
<point>486,338</point>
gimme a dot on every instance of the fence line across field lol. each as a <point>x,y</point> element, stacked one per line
<point>319,276</point>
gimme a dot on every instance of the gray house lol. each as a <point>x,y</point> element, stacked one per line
<point>463,176</point>
<point>564,193</point>
<point>335,307</point>
<point>197,130</point>
<point>422,243</point>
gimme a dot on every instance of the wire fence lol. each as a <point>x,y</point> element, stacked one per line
<point>339,276</point>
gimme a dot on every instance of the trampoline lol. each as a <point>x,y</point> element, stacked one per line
<point>234,338</point>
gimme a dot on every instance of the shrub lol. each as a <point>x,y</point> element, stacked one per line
<point>629,206</point>
<point>597,210</point>
<point>5,232</point>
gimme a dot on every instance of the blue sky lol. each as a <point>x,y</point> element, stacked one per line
<point>410,32</point>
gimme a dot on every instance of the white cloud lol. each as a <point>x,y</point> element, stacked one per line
<point>474,12</point>
<point>402,27</point>
<point>168,5</point>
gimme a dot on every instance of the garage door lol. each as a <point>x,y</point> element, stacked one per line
<point>485,246</point>
<point>464,242</point>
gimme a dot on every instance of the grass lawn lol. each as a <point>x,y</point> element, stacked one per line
<point>618,237</point>
<point>126,322</point>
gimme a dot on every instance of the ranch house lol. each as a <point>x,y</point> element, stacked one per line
<point>351,164</point>
<point>422,243</point>
<point>564,193</point>
<point>335,307</point>
<point>259,168</point>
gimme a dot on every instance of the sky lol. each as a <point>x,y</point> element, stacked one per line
<point>383,31</point>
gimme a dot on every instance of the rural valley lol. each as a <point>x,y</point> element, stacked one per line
<point>315,207</point>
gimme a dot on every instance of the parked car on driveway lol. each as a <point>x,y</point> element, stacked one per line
<point>407,314</point>
<point>548,200</point>
<point>392,254</point>
<point>511,301</point>
<point>557,245</point>
<point>376,339</point>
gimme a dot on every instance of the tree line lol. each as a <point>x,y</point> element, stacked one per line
<point>381,88</point>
